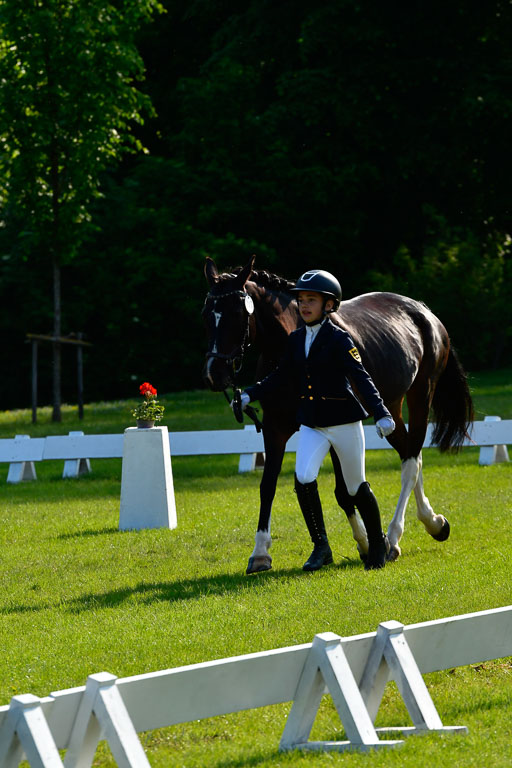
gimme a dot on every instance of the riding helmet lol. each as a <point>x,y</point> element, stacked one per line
<point>320,281</point>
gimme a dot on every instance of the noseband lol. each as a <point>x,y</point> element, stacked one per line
<point>236,356</point>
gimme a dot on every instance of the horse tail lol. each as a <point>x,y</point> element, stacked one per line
<point>452,406</point>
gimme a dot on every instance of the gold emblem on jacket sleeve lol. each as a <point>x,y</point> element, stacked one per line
<point>355,354</point>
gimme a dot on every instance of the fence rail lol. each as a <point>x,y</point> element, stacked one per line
<point>353,670</point>
<point>77,449</point>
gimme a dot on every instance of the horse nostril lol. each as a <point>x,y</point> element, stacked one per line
<point>215,375</point>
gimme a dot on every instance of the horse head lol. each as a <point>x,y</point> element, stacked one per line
<point>226,315</point>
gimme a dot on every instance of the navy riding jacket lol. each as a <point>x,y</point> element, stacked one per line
<point>320,380</point>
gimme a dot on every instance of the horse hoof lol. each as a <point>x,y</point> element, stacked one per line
<point>444,532</point>
<point>394,553</point>
<point>259,563</point>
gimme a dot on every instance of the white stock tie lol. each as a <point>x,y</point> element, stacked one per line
<point>311,332</point>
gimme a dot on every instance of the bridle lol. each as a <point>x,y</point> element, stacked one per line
<point>236,355</point>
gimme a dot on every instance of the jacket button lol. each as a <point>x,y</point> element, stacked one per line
<point>311,397</point>
<point>309,386</point>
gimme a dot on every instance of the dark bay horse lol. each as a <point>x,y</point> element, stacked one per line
<point>404,347</point>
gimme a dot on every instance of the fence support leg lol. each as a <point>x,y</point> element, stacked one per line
<point>102,715</point>
<point>21,470</point>
<point>26,731</point>
<point>492,454</point>
<point>327,665</point>
<point>76,467</point>
<point>390,650</point>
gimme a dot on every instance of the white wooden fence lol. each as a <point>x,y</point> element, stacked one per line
<point>77,449</point>
<point>353,670</point>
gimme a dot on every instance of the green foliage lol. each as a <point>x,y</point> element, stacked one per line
<point>150,409</point>
<point>327,127</point>
<point>375,145</point>
<point>68,75</point>
<point>465,282</point>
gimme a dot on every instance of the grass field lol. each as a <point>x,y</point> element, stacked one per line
<point>78,596</point>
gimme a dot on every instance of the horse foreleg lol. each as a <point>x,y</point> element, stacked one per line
<point>436,525</point>
<point>410,471</point>
<point>260,560</point>
<point>346,502</point>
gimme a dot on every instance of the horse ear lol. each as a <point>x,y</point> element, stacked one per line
<point>210,271</point>
<point>245,274</point>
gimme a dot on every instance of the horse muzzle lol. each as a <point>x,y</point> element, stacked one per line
<point>217,373</point>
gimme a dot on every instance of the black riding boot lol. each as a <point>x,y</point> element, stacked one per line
<point>309,500</point>
<point>378,545</point>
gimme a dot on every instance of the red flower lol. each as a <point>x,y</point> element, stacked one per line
<point>147,389</point>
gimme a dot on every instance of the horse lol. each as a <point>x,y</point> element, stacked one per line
<point>404,347</point>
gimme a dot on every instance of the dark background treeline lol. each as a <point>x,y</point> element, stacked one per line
<point>367,139</point>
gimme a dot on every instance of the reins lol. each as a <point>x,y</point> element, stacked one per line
<point>238,411</point>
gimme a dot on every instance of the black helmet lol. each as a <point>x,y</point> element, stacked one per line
<point>320,281</point>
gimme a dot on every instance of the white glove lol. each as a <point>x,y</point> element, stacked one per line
<point>384,426</point>
<point>244,397</point>
<point>245,400</point>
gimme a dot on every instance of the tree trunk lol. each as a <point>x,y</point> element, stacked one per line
<point>56,414</point>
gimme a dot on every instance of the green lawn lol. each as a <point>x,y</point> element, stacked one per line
<point>78,596</point>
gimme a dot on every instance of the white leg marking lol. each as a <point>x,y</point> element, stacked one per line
<point>260,559</point>
<point>359,533</point>
<point>425,514</point>
<point>208,366</point>
<point>410,471</point>
<point>263,541</point>
<point>217,316</point>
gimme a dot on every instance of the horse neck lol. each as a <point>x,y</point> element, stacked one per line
<point>276,316</point>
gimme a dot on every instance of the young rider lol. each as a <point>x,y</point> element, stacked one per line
<point>317,362</point>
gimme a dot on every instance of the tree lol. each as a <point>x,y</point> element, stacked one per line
<point>331,127</point>
<point>69,99</point>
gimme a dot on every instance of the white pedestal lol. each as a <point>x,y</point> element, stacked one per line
<point>147,489</point>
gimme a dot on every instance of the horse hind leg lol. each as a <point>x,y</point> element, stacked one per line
<point>409,445</point>
<point>409,477</point>
<point>436,525</point>
<point>412,480</point>
<point>419,399</point>
<point>346,502</point>
<point>409,474</point>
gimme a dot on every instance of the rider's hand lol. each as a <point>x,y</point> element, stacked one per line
<point>245,400</point>
<point>385,426</point>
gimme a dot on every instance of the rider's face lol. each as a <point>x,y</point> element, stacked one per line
<point>311,306</point>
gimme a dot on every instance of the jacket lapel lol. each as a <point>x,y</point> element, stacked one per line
<point>300,337</point>
<point>320,338</point>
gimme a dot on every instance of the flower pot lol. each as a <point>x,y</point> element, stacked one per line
<point>144,424</point>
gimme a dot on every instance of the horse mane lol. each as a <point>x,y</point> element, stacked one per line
<point>263,278</point>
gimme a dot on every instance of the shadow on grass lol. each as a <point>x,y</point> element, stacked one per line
<point>88,532</point>
<point>183,589</point>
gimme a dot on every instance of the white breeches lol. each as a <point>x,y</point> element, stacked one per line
<point>348,442</point>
